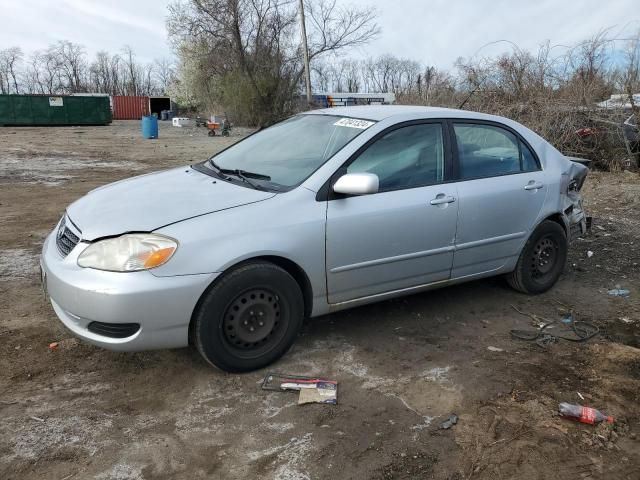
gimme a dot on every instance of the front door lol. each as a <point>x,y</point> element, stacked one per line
<point>403,236</point>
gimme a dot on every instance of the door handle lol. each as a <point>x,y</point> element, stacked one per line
<point>533,185</point>
<point>441,199</point>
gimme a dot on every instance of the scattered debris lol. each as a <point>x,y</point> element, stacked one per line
<point>312,390</point>
<point>53,346</point>
<point>537,320</point>
<point>582,414</point>
<point>582,331</point>
<point>589,254</point>
<point>450,422</point>
<point>426,423</point>
<point>322,392</point>
<point>618,292</point>
<point>580,395</point>
<point>567,319</point>
<point>37,419</point>
<point>495,349</point>
<point>626,320</point>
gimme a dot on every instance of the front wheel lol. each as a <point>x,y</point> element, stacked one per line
<point>250,318</point>
<point>542,259</point>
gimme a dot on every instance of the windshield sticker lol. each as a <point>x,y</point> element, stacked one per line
<point>353,123</point>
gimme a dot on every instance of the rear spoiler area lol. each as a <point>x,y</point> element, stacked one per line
<point>583,161</point>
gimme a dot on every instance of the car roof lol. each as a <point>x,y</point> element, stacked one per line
<point>382,112</point>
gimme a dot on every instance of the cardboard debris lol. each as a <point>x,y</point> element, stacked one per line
<point>312,390</point>
<point>323,392</point>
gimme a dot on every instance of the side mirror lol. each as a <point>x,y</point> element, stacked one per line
<point>357,184</point>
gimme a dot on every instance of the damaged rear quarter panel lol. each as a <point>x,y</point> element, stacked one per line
<point>571,199</point>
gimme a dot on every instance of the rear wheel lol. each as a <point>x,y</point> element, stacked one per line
<point>250,318</point>
<point>542,259</point>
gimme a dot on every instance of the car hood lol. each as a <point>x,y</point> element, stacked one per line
<point>148,202</point>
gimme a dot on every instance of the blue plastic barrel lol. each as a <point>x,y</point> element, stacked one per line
<point>149,127</point>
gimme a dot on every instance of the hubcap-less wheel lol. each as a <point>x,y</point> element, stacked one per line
<point>252,321</point>
<point>543,259</point>
<point>249,317</point>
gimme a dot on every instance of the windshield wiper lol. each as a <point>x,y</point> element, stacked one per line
<point>238,172</point>
<point>219,169</point>
<point>241,174</point>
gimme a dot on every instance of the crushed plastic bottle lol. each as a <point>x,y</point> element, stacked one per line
<point>584,414</point>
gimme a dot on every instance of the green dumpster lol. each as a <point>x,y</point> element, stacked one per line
<point>54,110</point>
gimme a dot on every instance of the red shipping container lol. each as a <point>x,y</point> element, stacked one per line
<point>129,108</point>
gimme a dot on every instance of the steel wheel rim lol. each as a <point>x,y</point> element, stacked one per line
<point>252,322</point>
<point>544,257</point>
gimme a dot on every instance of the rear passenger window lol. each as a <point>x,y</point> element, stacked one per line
<point>529,163</point>
<point>488,151</point>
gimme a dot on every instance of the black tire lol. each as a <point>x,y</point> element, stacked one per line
<point>249,318</point>
<point>542,259</point>
<point>212,133</point>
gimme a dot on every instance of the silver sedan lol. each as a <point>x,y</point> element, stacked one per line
<point>327,210</point>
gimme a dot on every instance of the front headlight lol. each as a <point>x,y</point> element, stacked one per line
<point>128,253</point>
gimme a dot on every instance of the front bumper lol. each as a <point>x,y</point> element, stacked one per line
<point>161,305</point>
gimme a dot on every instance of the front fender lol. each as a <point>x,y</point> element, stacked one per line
<point>290,225</point>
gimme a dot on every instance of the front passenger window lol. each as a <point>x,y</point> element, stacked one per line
<point>407,157</point>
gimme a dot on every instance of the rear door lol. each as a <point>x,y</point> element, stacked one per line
<point>501,190</point>
<point>402,236</point>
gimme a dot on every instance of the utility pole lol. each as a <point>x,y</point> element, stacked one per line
<point>307,71</point>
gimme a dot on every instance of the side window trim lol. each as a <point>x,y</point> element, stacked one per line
<point>520,154</point>
<point>469,121</point>
<point>326,193</point>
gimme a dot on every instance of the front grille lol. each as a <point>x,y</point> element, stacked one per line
<point>114,330</point>
<point>66,240</point>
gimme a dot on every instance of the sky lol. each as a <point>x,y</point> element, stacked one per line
<point>434,32</point>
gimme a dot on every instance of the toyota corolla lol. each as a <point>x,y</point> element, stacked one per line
<point>324,211</point>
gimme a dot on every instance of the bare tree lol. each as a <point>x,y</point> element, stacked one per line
<point>629,77</point>
<point>164,72</point>
<point>47,69</point>
<point>72,65</point>
<point>10,59</point>
<point>249,48</point>
<point>147,85</point>
<point>101,74</point>
<point>132,72</point>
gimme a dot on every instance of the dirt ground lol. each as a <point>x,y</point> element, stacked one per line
<point>404,366</point>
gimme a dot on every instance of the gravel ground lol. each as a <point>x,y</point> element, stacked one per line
<point>404,366</point>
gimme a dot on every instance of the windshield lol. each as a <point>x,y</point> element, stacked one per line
<point>290,151</point>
